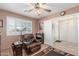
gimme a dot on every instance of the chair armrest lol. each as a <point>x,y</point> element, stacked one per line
<point>35,40</point>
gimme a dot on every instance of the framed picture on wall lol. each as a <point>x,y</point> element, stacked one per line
<point>1,23</point>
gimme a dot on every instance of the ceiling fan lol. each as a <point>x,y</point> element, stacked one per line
<point>38,7</point>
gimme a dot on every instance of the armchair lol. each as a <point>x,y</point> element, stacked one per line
<point>31,44</point>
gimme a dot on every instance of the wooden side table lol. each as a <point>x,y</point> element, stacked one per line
<point>17,49</point>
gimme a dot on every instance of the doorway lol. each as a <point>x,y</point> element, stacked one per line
<point>68,30</point>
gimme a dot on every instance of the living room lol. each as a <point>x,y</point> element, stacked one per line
<point>39,29</point>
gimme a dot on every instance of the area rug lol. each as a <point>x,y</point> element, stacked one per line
<point>53,53</point>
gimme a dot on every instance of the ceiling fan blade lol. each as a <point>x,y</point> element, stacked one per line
<point>28,10</point>
<point>43,3</point>
<point>32,5</point>
<point>48,10</point>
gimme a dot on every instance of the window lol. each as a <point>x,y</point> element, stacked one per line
<point>17,26</point>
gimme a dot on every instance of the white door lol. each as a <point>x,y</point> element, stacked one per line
<point>68,30</point>
<point>48,34</point>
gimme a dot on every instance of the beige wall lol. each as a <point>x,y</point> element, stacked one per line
<point>6,41</point>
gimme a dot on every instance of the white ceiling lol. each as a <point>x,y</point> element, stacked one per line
<point>19,8</point>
